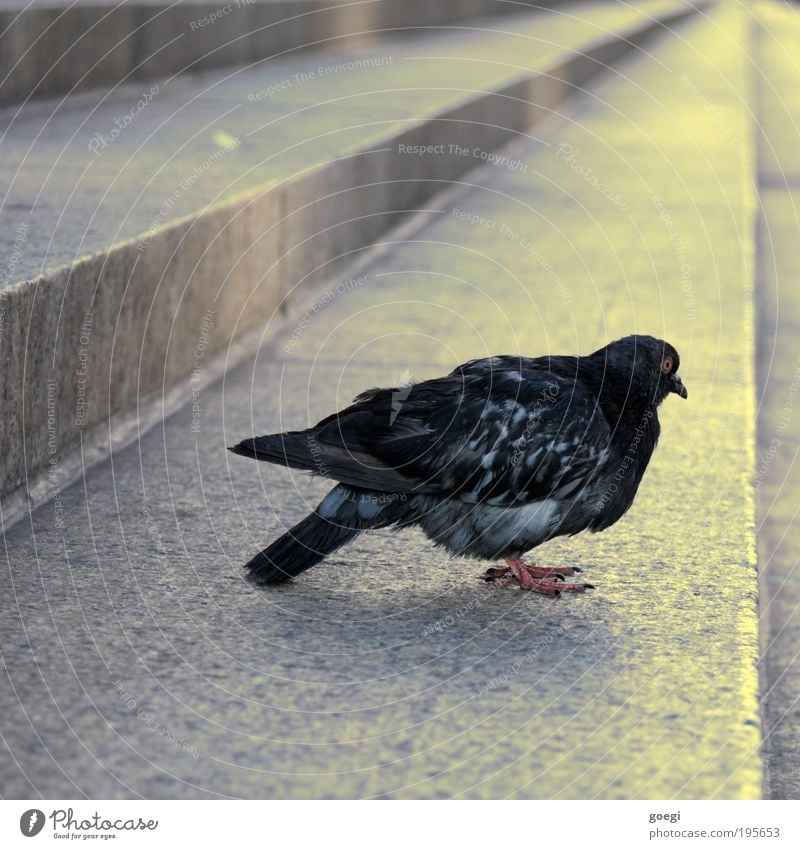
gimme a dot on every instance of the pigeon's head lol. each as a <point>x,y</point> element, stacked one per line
<point>644,363</point>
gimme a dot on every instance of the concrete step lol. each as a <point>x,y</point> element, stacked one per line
<point>777,477</point>
<point>128,218</point>
<point>50,47</point>
<point>150,667</point>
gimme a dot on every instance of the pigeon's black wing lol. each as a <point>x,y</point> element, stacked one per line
<point>502,430</point>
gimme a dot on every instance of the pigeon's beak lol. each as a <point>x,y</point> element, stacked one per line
<point>676,386</point>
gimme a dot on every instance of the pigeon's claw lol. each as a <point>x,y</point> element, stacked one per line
<point>566,588</point>
<point>543,586</point>
<point>544,580</point>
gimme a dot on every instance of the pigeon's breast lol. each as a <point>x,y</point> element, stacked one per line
<point>614,488</point>
<point>485,531</point>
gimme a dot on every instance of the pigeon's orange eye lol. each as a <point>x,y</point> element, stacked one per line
<point>666,366</point>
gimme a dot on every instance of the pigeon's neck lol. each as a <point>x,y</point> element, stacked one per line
<point>625,405</point>
<point>624,411</point>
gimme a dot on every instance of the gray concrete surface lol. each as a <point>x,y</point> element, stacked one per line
<point>777,477</point>
<point>50,47</point>
<point>223,194</point>
<point>140,663</point>
<point>82,184</point>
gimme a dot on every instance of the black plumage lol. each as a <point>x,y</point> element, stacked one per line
<point>490,461</point>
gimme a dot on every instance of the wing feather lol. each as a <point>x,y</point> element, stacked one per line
<point>503,430</point>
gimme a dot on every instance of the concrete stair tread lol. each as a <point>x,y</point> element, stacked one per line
<point>86,201</point>
<point>59,47</point>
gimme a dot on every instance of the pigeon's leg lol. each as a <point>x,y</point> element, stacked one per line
<point>517,565</point>
<point>533,578</point>
<point>543,571</point>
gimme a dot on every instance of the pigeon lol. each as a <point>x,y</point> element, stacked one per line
<point>490,461</point>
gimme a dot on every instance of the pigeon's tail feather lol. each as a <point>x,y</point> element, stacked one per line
<point>349,463</point>
<point>342,515</point>
<point>288,449</point>
<point>300,548</point>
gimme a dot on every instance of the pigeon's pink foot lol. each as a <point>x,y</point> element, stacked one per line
<point>544,580</point>
<point>541,571</point>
